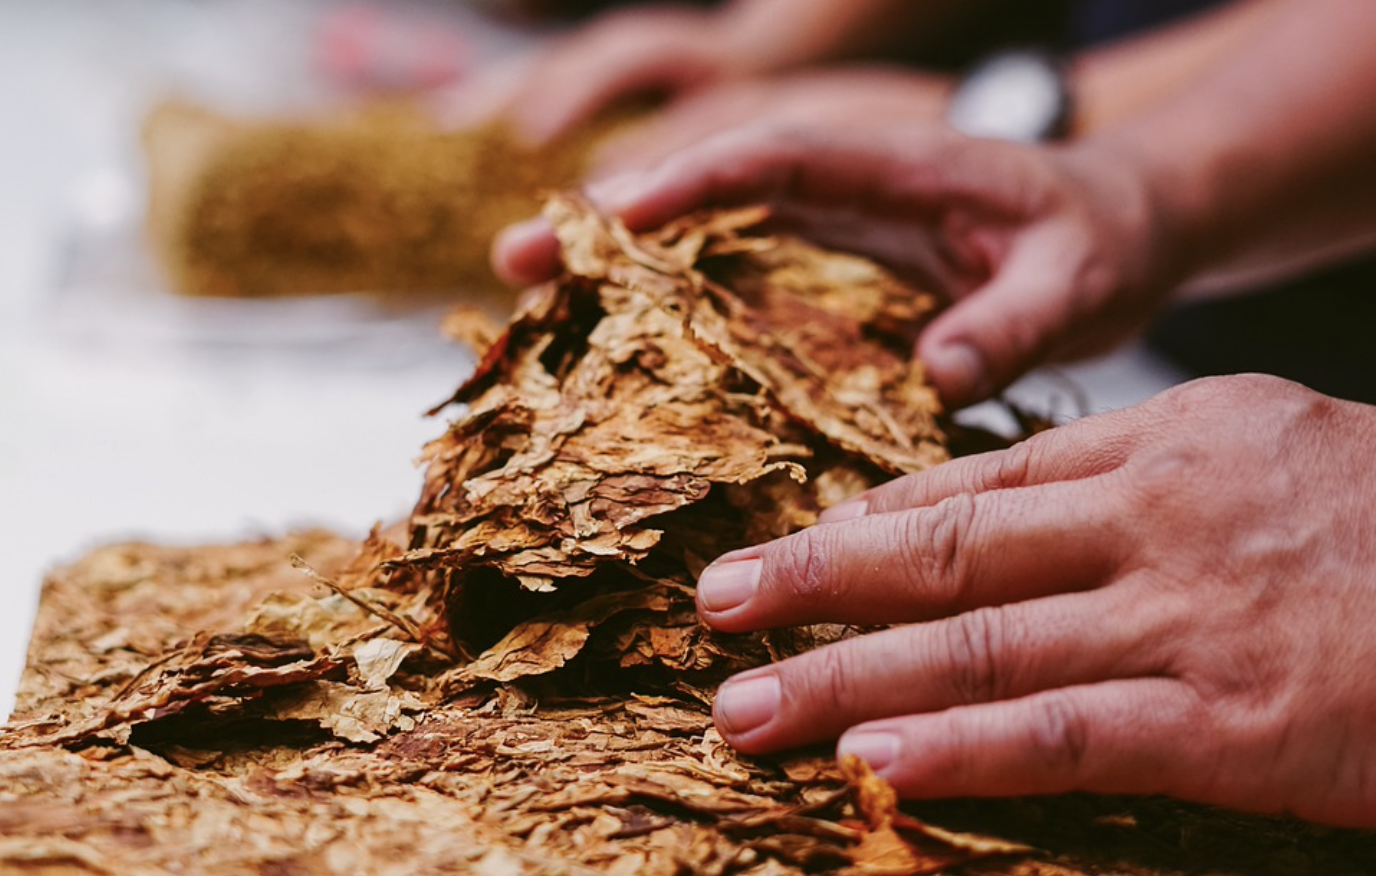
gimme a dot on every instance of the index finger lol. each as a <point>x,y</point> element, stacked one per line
<point>896,171</point>
<point>1082,449</point>
<point>963,553</point>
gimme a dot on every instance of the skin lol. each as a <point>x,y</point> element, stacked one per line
<point>853,99</point>
<point>751,60</point>
<point>661,50</point>
<point>1110,83</point>
<point>1171,598</point>
<point>676,51</point>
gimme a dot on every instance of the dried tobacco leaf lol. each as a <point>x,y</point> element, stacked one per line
<point>898,844</point>
<point>674,395</point>
<point>496,782</point>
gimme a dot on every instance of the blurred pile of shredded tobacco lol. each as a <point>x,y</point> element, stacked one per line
<point>514,681</point>
<point>380,199</point>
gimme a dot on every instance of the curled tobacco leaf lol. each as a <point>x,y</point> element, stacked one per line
<point>672,396</point>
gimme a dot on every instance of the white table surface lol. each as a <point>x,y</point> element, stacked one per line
<point>128,414</point>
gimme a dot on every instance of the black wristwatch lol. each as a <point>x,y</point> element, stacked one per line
<point>1020,94</point>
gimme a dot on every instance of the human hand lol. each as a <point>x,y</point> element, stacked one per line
<point>660,50</point>
<point>1043,253</point>
<point>849,99</point>
<point>1174,598</point>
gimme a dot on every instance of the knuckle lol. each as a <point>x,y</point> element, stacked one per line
<point>1232,390</point>
<point>1162,475</point>
<point>1253,384</point>
<point>1244,673</point>
<point>1013,467</point>
<point>972,641</point>
<point>831,679</point>
<point>1180,401</point>
<point>932,542</point>
<point>1059,737</point>
<point>799,564</point>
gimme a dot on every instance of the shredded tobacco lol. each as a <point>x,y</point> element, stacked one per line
<point>513,681</point>
<point>380,200</point>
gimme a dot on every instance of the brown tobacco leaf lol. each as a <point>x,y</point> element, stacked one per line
<point>897,843</point>
<point>208,675</point>
<point>342,776</point>
<point>541,645</point>
<point>293,657</point>
<point>493,784</point>
<point>674,395</point>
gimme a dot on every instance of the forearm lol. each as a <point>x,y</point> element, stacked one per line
<point>1114,82</point>
<point>1265,164</point>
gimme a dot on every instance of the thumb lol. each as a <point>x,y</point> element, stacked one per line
<point>1000,331</point>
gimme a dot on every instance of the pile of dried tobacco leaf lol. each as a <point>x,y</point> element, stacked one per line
<point>514,682</point>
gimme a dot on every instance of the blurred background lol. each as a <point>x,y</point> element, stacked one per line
<point>129,412</point>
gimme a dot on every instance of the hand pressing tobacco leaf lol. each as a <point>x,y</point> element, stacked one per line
<point>1168,599</point>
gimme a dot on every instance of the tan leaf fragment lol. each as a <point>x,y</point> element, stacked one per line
<point>897,843</point>
<point>379,659</point>
<point>358,716</point>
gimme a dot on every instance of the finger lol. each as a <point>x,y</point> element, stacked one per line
<point>804,173</point>
<point>623,53</point>
<point>894,172</point>
<point>1081,449</point>
<point>689,120</point>
<point>571,91</point>
<point>978,657</point>
<point>526,253</point>
<point>904,246</point>
<point>684,123</point>
<point>999,332</point>
<point>964,552</point>
<point>1133,736</point>
<point>571,87</point>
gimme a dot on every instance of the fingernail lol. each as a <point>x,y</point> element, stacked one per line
<point>876,748</point>
<point>844,511</point>
<point>525,253</point>
<point>725,586</point>
<point>747,703</point>
<point>961,370</point>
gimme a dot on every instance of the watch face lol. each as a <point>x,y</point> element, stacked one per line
<point>1013,96</point>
